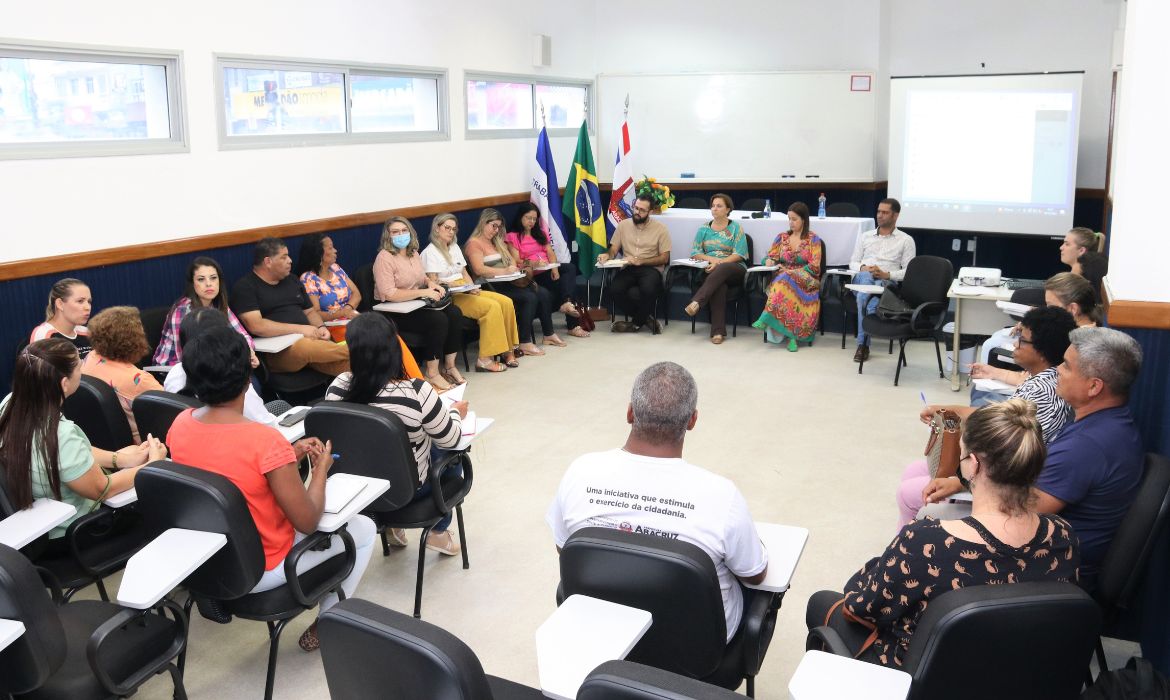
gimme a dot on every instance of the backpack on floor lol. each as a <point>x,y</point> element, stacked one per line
<point>1139,680</point>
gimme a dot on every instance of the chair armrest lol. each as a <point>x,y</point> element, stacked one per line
<point>759,622</point>
<point>437,469</point>
<point>924,310</point>
<point>91,522</point>
<point>52,584</point>
<point>827,639</point>
<point>149,669</point>
<point>310,598</point>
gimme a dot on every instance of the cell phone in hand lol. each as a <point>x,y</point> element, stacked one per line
<point>293,417</point>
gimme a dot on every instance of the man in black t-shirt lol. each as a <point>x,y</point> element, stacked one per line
<point>270,302</point>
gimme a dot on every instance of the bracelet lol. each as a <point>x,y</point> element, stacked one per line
<point>113,462</point>
<point>347,306</point>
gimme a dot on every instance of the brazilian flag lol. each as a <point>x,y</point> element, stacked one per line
<point>582,205</point>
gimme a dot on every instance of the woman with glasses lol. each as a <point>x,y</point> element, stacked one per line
<point>444,263</point>
<point>1040,347</point>
<point>490,257</point>
<point>1003,541</point>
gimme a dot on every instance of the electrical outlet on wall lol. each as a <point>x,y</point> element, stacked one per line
<point>971,246</point>
<point>955,244</point>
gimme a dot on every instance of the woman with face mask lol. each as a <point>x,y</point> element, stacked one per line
<point>1003,541</point>
<point>399,276</point>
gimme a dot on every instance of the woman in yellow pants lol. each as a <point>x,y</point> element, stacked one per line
<point>495,313</point>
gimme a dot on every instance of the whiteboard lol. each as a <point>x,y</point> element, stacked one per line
<point>740,127</point>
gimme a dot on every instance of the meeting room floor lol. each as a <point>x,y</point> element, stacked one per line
<point>807,440</point>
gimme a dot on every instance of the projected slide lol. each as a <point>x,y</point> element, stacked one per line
<point>985,153</point>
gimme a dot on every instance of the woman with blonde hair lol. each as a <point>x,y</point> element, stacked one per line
<point>399,276</point>
<point>490,257</point>
<point>68,311</point>
<point>1003,541</point>
<point>1074,294</point>
<point>444,263</point>
<point>1077,242</point>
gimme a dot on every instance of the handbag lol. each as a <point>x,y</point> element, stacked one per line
<point>892,307</point>
<point>440,303</point>
<point>942,449</point>
<point>584,318</point>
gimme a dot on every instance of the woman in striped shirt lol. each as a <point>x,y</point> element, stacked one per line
<point>376,378</point>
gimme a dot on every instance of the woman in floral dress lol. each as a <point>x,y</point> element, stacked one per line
<point>794,296</point>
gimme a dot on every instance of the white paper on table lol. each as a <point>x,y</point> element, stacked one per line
<point>453,394</point>
<point>276,343</point>
<point>687,262</point>
<point>994,385</point>
<point>339,493</point>
<point>546,266</point>
<point>469,423</point>
<point>464,288</point>
<point>968,290</point>
<point>506,278</point>
<point>763,268</point>
<point>620,262</point>
<point>338,322</point>
<point>399,307</point>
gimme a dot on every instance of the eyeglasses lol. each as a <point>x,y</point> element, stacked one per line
<point>1020,340</point>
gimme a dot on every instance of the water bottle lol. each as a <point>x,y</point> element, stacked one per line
<point>821,206</point>
<point>767,209</point>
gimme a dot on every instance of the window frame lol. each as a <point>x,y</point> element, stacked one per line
<point>228,142</point>
<point>533,81</point>
<point>171,62</point>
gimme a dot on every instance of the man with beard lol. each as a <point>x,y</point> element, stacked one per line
<point>645,244</point>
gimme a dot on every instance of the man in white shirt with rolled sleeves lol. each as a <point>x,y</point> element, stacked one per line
<point>879,257</point>
<point>647,487</point>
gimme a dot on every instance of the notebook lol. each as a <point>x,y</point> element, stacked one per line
<point>340,490</point>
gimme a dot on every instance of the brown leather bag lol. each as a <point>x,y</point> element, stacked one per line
<point>584,319</point>
<point>942,449</point>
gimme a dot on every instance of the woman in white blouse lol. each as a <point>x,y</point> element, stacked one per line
<point>444,263</point>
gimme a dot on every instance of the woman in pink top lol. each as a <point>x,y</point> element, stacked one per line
<point>399,277</point>
<point>118,342</point>
<point>530,239</point>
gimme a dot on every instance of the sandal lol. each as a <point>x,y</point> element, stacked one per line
<point>309,641</point>
<point>513,363</point>
<point>440,385</point>
<point>532,350</point>
<point>555,341</point>
<point>491,366</point>
<point>717,339</point>
<point>569,310</point>
<point>453,376</point>
<point>578,332</point>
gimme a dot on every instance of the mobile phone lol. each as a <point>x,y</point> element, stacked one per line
<point>293,417</point>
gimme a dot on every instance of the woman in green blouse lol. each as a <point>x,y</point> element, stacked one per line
<point>722,244</point>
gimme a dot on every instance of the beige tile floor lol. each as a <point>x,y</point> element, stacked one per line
<point>808,441</point>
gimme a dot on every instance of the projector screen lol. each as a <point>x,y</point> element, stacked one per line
<point>988,153</point>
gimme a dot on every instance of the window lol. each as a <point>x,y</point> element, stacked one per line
<point>62,102</point>
<point>293,103</point>
<point>504,106</point>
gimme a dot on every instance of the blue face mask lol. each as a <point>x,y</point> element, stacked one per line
<point>400,240</point>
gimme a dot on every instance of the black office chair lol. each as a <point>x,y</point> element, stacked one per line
<point>302,386</point>
<point>375,443</point>
<point>172,495</point>
<point>843,209</point>
<point>99,544</point>
<point>1032,640</point>
<point>755,204</point>
<point>924,289</point>
<point>95,408</point>
<point>154,411</point>
<point>370,651</point>
<point>676,582</point>
<point>153,320</point>
<point>85,649</point>
<point>625,680</point>
<point>692,203</point>
<point>1124,567</point>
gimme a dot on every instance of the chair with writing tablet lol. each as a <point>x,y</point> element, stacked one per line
<point>374,442</point>
<point>95,408</point>
<point>370,651</point>
<point>1032,640</point>
<point>83,649</point>
<point>625,680</point>
<point>676,582</point>
<point>173,495</point>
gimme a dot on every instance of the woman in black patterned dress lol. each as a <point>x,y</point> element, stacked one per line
<point>1002,541</point>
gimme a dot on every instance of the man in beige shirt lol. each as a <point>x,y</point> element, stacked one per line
<point>645,245</point>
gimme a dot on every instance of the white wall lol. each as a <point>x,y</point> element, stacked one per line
<point>1140,247</point>
<point>62,206</point>
<point>935,37</point>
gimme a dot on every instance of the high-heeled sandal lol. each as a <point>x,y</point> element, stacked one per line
<point>491,366</point>
<point>453,376</point>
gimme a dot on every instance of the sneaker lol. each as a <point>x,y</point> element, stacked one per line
<point>655,327</point>
<point>443,543</point>
<point>308,640</point>
<point>396,536</point>
<point>862,353</point>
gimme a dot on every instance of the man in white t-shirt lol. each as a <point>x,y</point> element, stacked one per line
<point>647,487</point>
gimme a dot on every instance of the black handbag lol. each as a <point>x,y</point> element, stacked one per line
<point>440,303</point>
<point>892,307</point>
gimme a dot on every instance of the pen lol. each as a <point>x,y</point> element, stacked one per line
<point>336,456</point>
<point>922,395</point>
